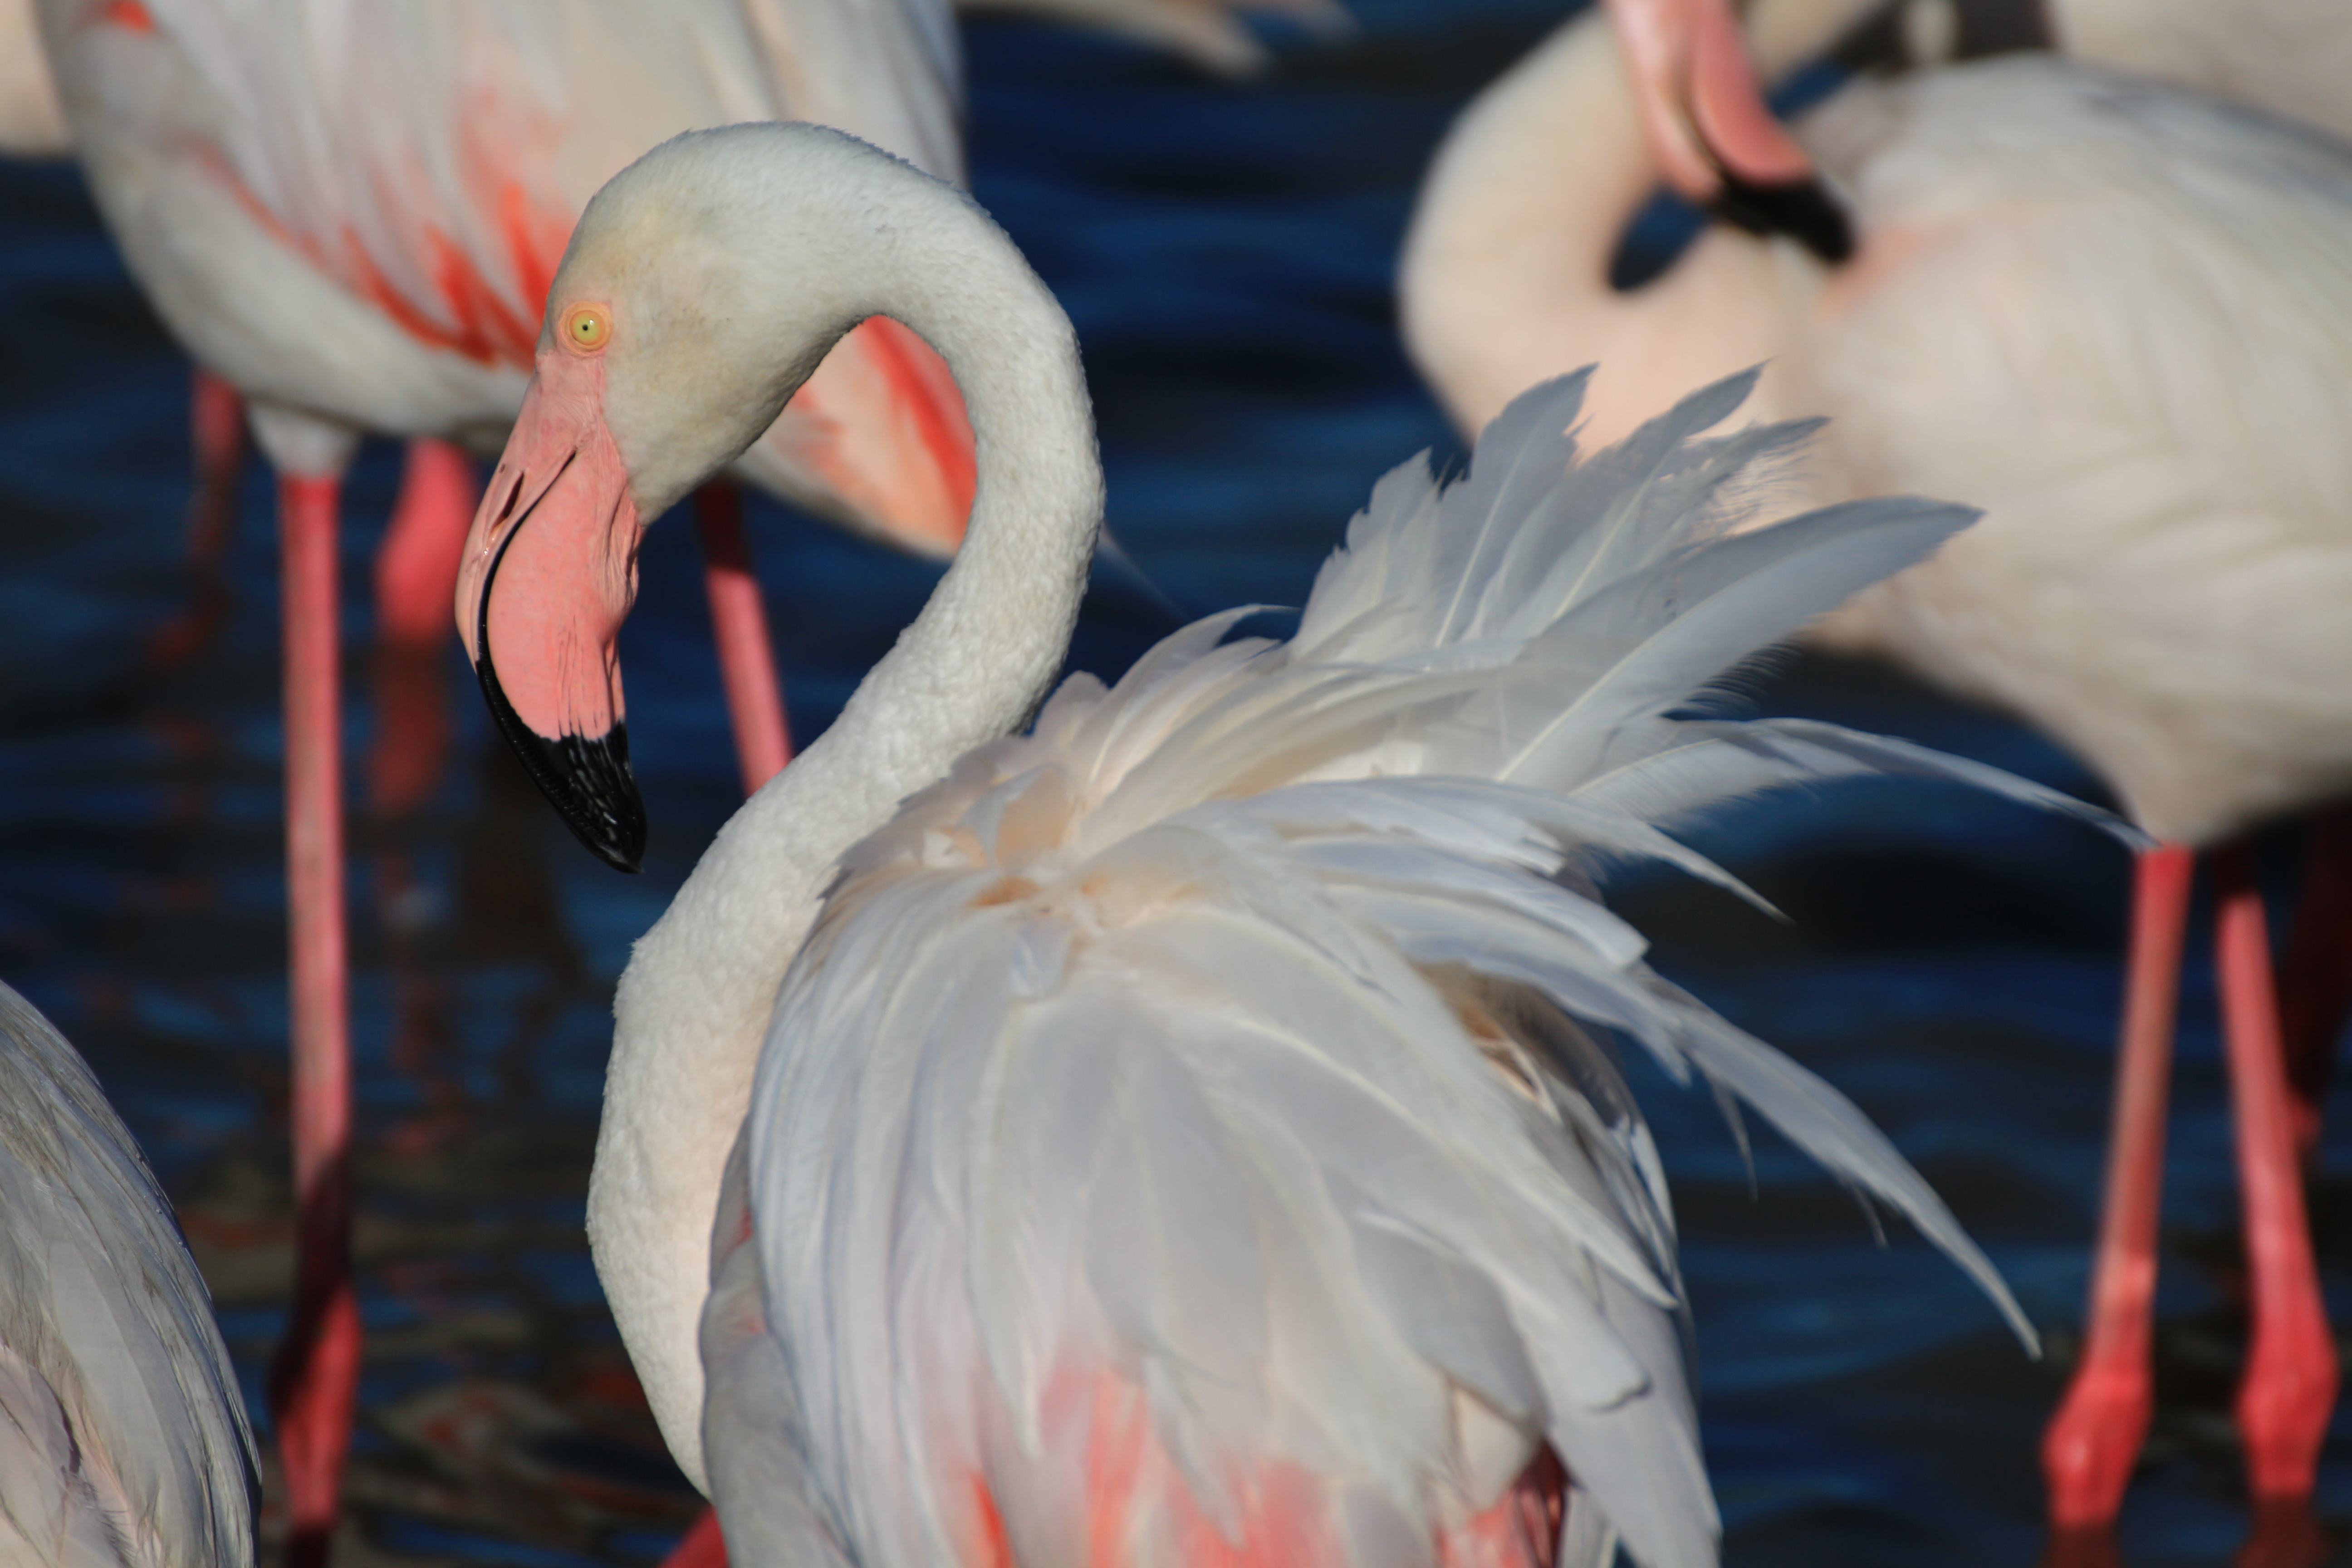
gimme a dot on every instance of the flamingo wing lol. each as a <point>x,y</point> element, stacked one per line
<point>1185,1137</point>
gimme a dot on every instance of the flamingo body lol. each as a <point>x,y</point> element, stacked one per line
<point>2128,353</point>
<point>2150,337</point>
<point>123,1441</point>
<point>1223,1174</point>
<point>352,212</point>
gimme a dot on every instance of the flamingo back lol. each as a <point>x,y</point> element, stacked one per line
<point>122,1434</point>
<point>1192,1133</point>
<point>358,209</point>
<point>2118,316</point>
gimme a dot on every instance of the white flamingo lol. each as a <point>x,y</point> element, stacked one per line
<point>123,1441</point>
<point>2118,316</point>
<point>1164,1138</point>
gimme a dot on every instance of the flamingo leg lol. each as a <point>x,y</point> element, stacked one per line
<point>2289,1387</point>
<point>416,567</point>
<point>314,1383</point>
<point>216,437</point>
<point>2316,974</point>
<point>415,582</point>
<point>2091,1445</point>
<point>747,659</point>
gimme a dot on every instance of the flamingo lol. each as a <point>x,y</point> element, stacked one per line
<point>2117,315</point>
<point>123,1442</point>
<point>1171,1135</point>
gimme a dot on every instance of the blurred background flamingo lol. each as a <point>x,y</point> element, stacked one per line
<point>2116,313</point>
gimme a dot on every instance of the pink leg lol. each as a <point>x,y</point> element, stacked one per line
<point>2290,1382</point>
<point>216,434</point>
<point>415,581</point>
<point>746,661</point>
<point>2092,1442</point>
<point>702,1547</point>
<point>2316,974</point>
<point>416,568</point>
<point>315,1380</point>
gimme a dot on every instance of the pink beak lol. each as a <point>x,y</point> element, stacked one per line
<point>1715,137</point>
<point>548,575</point>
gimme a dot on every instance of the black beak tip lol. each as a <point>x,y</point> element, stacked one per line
<point>610,817</point>
<point>1802,209</point>
<point>587,779</point>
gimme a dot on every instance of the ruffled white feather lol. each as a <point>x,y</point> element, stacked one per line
<point>1218,1075</point>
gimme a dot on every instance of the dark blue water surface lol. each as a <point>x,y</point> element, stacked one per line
<point>1227,252</point>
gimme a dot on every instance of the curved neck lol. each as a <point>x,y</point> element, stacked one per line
<point>692,1009</point>
<point>1505,277</point>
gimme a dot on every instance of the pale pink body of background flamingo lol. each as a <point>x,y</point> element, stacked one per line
<point>2119,316</point>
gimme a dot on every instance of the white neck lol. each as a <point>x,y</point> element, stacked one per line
<point>692,1010</point>
<point>1505,279</point>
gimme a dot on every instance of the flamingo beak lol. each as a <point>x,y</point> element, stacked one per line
<point>1715,136</point>
<point>548,575</point>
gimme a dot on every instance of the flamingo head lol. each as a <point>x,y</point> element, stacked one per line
<point>1715,137</point>
<point>676,330</point>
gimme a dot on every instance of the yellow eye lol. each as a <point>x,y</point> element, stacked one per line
<point>586,328</point>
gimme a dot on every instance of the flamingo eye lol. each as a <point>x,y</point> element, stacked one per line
<point>587,328</point>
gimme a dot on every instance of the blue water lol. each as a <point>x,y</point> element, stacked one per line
<point>1227,253</point>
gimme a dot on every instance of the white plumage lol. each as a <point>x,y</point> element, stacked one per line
<point>1206,1070</point>
<point>123,1441</point>
<point>1215,1037</point>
